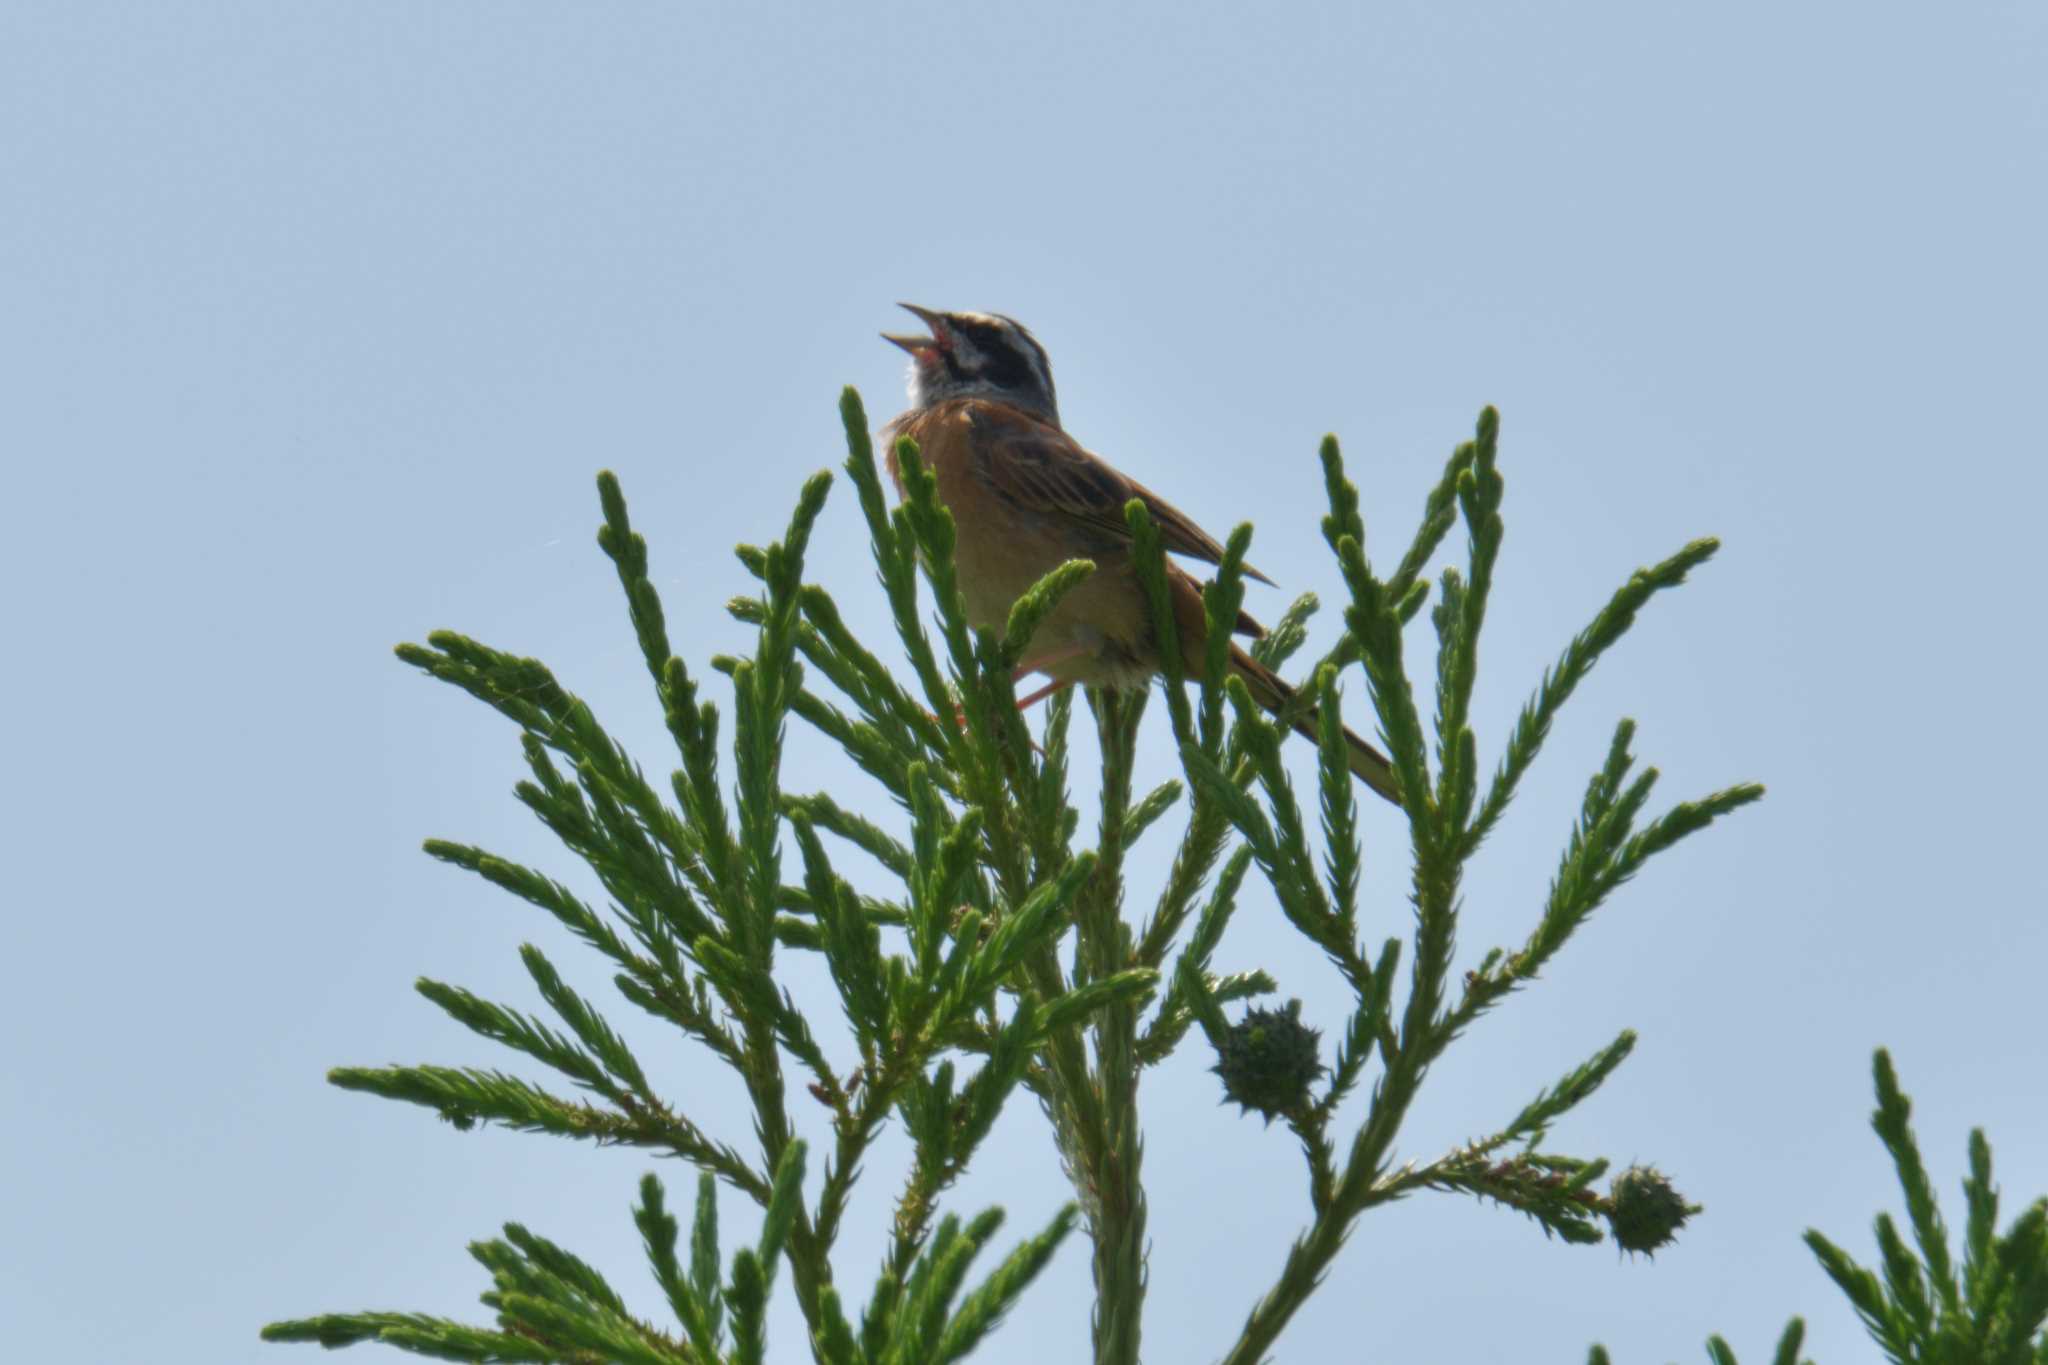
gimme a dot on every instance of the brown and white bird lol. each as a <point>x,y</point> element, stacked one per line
<point>1026,498</point>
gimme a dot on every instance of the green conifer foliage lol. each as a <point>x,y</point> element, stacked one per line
<point>1924,1308</point>
<point>1008,951</point>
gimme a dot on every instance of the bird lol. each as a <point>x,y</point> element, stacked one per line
<point>1026,497</point>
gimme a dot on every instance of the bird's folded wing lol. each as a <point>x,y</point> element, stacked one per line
<point>1041,469</point>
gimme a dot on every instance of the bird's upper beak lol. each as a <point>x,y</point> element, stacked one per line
<point>937,341</point>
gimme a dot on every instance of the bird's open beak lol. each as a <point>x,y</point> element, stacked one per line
<point>913,344</point>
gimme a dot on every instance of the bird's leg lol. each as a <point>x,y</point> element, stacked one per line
<point>1058,684</point>
<point>1030,666</point>
<point>1045,664</point>
<point>960,711</point>
<point>1024,703</point>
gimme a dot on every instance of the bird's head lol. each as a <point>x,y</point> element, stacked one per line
<point>977,355</point>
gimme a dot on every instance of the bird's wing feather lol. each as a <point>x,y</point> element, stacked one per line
<point>1038,467</point>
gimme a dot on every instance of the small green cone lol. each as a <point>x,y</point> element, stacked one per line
<point>1646,1210</point>
<point>1269,1060</point>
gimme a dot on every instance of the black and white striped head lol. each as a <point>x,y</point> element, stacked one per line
<point>977,355</point>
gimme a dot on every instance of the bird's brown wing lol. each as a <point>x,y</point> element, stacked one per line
<point>1037,467</point>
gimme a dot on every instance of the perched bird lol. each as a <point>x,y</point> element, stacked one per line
<point>1026,498</point>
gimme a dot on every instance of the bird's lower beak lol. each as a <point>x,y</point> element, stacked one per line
<point>913,344</point>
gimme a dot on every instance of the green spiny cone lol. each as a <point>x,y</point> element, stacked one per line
<point>1269,1060</point>
<point>1646,1210</point>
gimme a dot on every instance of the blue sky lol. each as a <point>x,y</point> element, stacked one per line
<point>316,321</point>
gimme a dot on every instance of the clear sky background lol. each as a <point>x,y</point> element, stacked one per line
<point>316,321</point>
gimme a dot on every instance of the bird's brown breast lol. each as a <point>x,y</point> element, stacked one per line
<point>1026,499</point>
<point>1004,544</point>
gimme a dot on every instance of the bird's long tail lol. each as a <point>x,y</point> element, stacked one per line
<point>1272,692</point>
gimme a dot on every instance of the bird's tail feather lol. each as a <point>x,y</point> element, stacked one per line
<point>1272,692</point>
